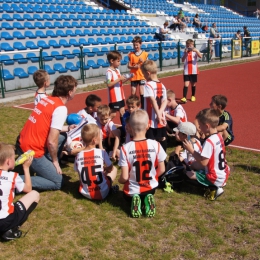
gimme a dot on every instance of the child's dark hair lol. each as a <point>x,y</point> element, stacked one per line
<point>137,39</point>
<point>63,85</point>
<point>91,100</point>
<point>133,99</point>
<point>40,77</point>
<point>208,116</point>
<point>114,55</point>
<point>189,41</point>
<point>220,100</point>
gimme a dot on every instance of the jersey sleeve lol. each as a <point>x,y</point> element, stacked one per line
<point>207,150</point>
<point>58,117</point>
<point>164,94</point>
<point>106,159</point>
<point>108,76</point>
<point>161,154</point>
<point>122,158</point>
<point>179,113</point>
<point>111,126</point>
<point>19,184</point>
<point>148,92</point>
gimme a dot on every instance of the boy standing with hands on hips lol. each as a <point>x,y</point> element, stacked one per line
<point>191,70</point>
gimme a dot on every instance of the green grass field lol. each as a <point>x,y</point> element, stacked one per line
<point>186,226</point>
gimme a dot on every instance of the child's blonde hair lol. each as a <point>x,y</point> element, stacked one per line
<point>6,152</point>
<point>170,94</point>
<point>103,110</point>
<point>40,77</point>
<point>208,116</point>
<point>88,132</point>
<point>139,120</point>
<point>133,99</point>
<point>149,66</point>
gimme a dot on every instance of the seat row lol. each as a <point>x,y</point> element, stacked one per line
<point>50,25</point>
<point>56,17</point>
<point>43,2</point>
<point>74,33</point>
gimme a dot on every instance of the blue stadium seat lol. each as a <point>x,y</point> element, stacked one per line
<point>6,60</point>
<point>7,26</point>
<point>54,44</point>
<point>92,64</point>
<point>79,32</point>
<point>116,40</point>
<point>111,31</point>
<point>75,24</point>
<point>108,40</point>
<point>29,25</point>
<point>47,17</point>
<point>74,42</point>
<point>19,46</point>
<point>49,25</point>
<point>29,35</point>
<point>31,45</point>
<point>88,52</point>
<point>102,63</point>
<point>65,17</point>
<point>64,43</point>
<point>57,55</point>
<point>43,44</point>
<point>46,56</point>
<point>67,25</point>
<point>104,50</point>
<point>6,36</point>
<point>92,41</point>
<point>122,49</point>
<point>96,32</point>
<point>76,52</point>
<point>58,25</point>
<point>31,70</point>
<point>7,75</point>
<point>40,34</point>
<point>124,39</point>
<point>18,26</point>
<point>84,24</point>
<point>49,69</point>
<point>18,35</point>
<point>7,17</point>
<point>60,33</point>
<point>58,67</point>
<point>68,54</point>
<point>20,59</point>
<point>32,57</point>
<point>97,51</point>
<point>28,17</point>
<point>70,33</point>
<point>56,17</point>
<point>99,40</point>
<point>83,41</point>
<point>70,66</point>
<point>37,17</point>
<point>19,72</point>
<point>73,17</point>
<point>50,33</point>
<point>39,25</point>
<point>88,32</point>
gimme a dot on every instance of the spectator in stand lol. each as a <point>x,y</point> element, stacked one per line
<point>247,40</point>
<point>257,13</point>
<point>181,14</point>
<point>175,24</point>
<point>213,33</point>
<point>196,21</point>
<point>162,31</point>
<point>237,35</point>
<point>182,24</point>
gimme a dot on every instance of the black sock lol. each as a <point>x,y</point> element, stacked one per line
<point>164,144</point>
<point>142,101</point>
<point>193,90</point>
<point>28,212</point>
<point>185,91</point>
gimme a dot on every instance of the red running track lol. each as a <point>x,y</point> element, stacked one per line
<point>238,82</point>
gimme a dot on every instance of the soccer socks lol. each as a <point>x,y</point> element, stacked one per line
<point>193,90</point>
<point>185,91</point>
<point>142,101</point>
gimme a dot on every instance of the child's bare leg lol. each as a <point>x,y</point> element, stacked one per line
<point>225,134</point>
<point>29,198</point>
<point>113,173</point>
<point>191,175</point>
<point>122,111</point>
<point>133,90</point>
<point>196,166</point>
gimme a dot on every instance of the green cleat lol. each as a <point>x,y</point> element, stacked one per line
<point>149,205</point>
<point>136,206</point>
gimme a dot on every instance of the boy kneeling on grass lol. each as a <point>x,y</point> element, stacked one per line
<point>13,215</point>
<point>211,165</point>
<point>142,162</point>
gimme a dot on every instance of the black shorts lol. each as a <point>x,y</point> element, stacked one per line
<point>136,83</point>
<point>117,105</point>
<point>156,133</point>
<point>15,219</point>
<point>229,140</point>
<point>191,78</point>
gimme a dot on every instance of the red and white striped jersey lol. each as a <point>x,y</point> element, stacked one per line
<point>106,129</point>
<point>75,133</point>
<point>188,157</point>
<point>84,114</point>
<point>93,182</point>
<point>191,63</point>
<point>115,93</point>
<point>158,91</point>
<point>177,111</point>
<point>217,170</point>
<point>38,97</point>
<point>142,158</point>
<point>9,181</point>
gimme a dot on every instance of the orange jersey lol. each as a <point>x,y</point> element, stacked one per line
<point>115,93</point>
<point>36,129</point>
<point>134,60</point>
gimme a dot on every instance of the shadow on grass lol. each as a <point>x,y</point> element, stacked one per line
<point>249,168</point>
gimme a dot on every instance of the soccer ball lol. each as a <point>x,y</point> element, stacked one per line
<point>76,144</point>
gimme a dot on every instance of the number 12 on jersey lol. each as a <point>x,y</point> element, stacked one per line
<point>142,170</point>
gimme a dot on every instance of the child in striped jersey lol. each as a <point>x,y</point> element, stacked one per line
<point>213,169</point>
<point>142,162</point>
<point>174,112</point>
<point>114,80</point>
<point>42,81</point>
<point>95,170</point>
<point>155,101</point>
<point>191,70</point>
<point>13,215</point>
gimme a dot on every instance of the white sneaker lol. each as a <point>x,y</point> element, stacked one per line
<point>214,194</point>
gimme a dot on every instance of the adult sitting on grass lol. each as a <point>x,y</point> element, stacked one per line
<point>42,134</point>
